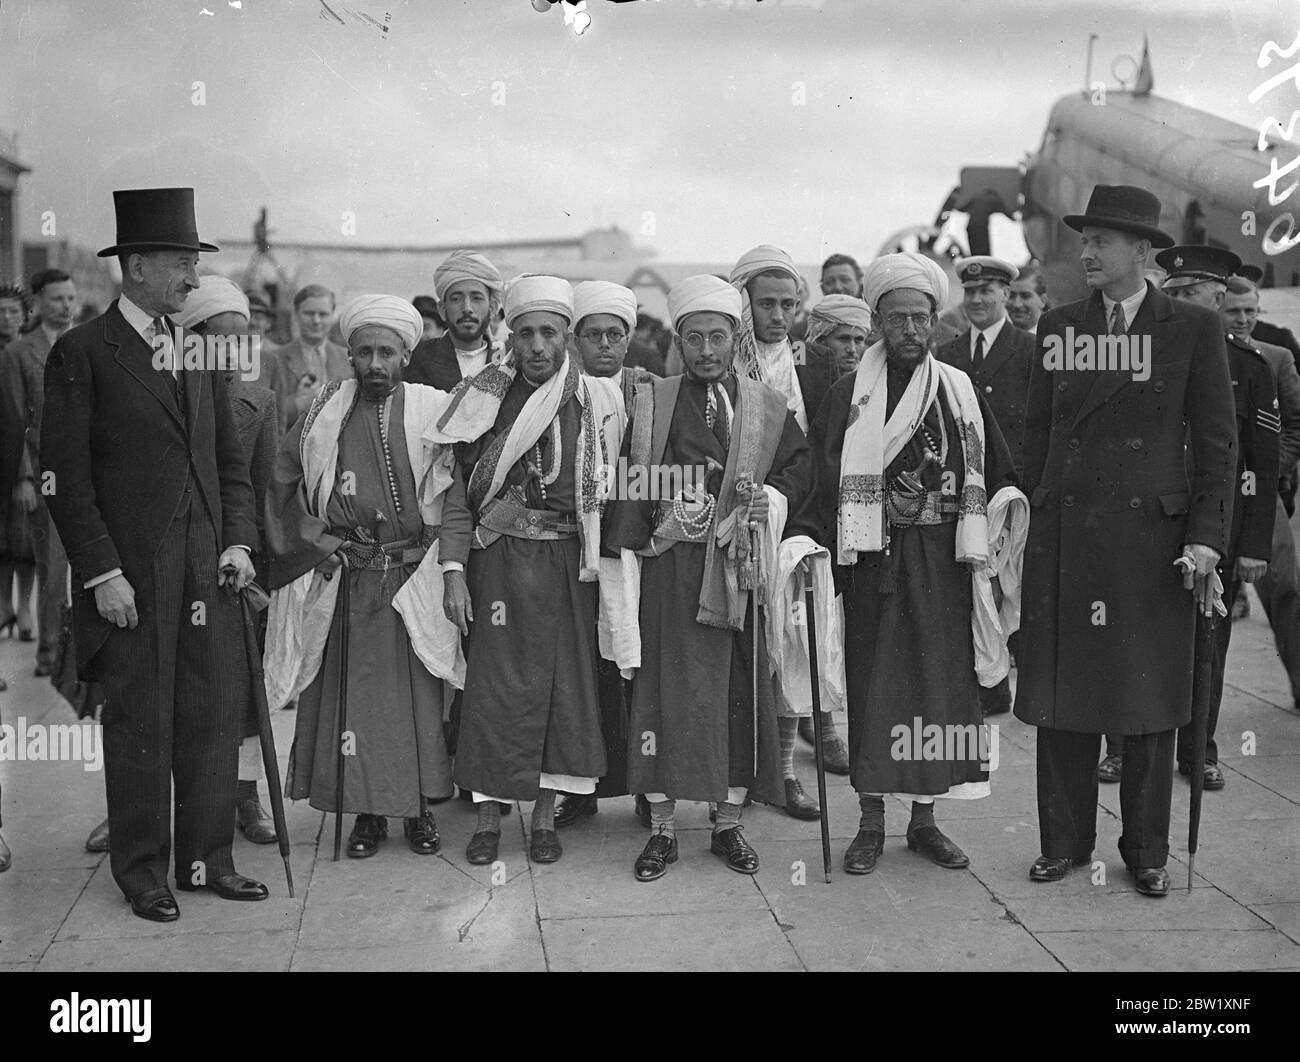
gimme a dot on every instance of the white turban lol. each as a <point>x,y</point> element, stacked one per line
<point>836,310</point>
<point>703,293</point>
<point>386,311</point>
<point>466,265</point>
<point>600,296</point>
<point>905,270</point>
<point>535,292</point>
<point>214,295</point>
<point>760,260</point>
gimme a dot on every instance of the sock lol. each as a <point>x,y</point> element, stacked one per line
<point>246,790</point>
<point>663,818</point>
<point>489,817</point>
<point>728,814</point>
<point>788,725</point>
<point>872,806</point>
<point>544,810</point>
<point>922,814</point>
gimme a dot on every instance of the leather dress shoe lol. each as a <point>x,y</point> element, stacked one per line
<point>1049,868</point>
<point>156,905</point>
<point>835,754</point>
<point>367,832</point>
<point>798,804</point>
<point>735,851</point>
<point>643,810</point>
<point>6,856</point>
<point>482,847</point>
<point>98,839</point>
<point>932,842</point>
<point>422,834</point>
<point>861,856</point>
<point>573,806</point>
<point>255,822</point>
<point>544,847</point>
<point>1151,881</point>
<point>231,887</point>
<point>44,670</point>
<point>1213,776</point>
<point>1110,769</point>
<point>653,861</point>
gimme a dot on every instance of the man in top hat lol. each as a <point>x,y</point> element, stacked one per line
<point>1200,275</point>
<point>1129,466</point>
<point>155,559</point>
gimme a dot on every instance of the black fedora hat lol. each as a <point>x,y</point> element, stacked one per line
<point>1123,207</point>
<point>155,217</point>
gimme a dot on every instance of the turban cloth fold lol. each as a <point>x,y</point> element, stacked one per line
<point>535,292</point>
<point>836,310</point>
<point>386,311</point>
<point>907,269</point>
<point>466,265</point>
<point>760,259</point>
<point>703,293</point>
<point>600,296</point>
<point>214,295</point>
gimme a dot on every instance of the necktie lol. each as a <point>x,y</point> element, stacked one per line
<point>977,359</point>
<point>177,374</point>
<point>1118,326</point>
<point>715,414</point>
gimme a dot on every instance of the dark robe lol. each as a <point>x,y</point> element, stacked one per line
<point>530,702</point>
<point>694,691</point>
<point>394,704</point>
<point>908,648</point>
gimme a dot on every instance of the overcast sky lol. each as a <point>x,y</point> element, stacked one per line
<point>679,120</point>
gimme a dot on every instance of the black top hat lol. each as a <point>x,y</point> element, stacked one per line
<point>1123,207</point>
<point>1192,264</point>
<point>155,217</point>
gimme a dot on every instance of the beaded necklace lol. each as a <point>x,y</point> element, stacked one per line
<point>545,477</point>
<point>388,456</point>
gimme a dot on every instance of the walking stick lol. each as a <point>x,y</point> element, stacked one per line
<point>269,762</point>
<point>811,613</point>
<point>1207,598</point>
<point>753,650</point>
<point>344,609</point>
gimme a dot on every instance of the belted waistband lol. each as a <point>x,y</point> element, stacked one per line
<point>506,517</point>
<point>938,508</point>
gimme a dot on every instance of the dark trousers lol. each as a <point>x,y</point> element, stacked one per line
<point>1067,795</point>
<point>51,583</point>
<point>176,691</point>
<point>1222,637</point>
<point>615,695</point>
<point>1279,592</point>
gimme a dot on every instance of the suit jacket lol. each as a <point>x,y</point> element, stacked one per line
<point>1002,378</point>
<point>257,420</point>
<point>817,369</point>
<point>123,456</point>
<point>1120,473</point>
<point>434,363</point>
<point>1259,428</point>
<point>289,366</point>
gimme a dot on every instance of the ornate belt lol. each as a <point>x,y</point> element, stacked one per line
<point>937,508</point>
<point>380,558</point>
<point>502,516</point>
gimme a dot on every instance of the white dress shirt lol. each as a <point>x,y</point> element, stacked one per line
<point>1131,306</point>
<point>990,335</point>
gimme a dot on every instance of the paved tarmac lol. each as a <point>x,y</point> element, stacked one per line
<point>60,910</point>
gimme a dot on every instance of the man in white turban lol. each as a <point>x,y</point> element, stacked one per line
<point>469,289</point>
<point>769,284</point>
<point>909,458</point>
<point>365,475</point>
<point>522,559</point>
<point>842,325</point>
<point>728,475</point>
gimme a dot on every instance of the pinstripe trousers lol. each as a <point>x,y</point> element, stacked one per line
<point>176,690</point>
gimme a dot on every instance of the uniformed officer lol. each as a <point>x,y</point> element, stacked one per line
<point>1199,275</point>
<point>996,355</point>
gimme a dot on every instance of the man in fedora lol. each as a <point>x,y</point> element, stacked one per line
<point>153,502</point>
<point>1129,456</point>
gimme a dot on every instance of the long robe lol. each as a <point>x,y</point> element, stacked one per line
<point>694,692</point>
<point>530,703</point>
<point>908,649</point>
<point>394,711</point>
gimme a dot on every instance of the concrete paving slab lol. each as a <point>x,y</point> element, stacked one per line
<point>33,905</point>
<point>1253,860</point>
<point>1284,917</point>
<point>1281,774</point>
<point>187,952</point>
<point>1110,909</point>
<point>1184,950</point>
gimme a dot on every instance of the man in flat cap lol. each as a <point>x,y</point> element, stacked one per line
<point>1200,275</point>
<point>468,288</point>
<point>146,551</point>
<point>365,473</point>
<point>699,729</point>
<point>914,472</point>
<point>769,284</point>
<point>1130,464</point>
<point>530,489</point>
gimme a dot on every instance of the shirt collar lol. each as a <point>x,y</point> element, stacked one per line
<point>990,334</point>
<point>135,317</point>
<point>1131,306</point>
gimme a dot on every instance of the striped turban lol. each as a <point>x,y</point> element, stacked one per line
<point>836,310</point>
<point>466,265</point>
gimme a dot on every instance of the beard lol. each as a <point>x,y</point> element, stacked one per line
<point>908,353</point>
<point>469,329</point>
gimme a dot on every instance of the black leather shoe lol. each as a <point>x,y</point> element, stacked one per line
<point>482,847</point>
<point>98,839</point>
<point>861,856</point>
<point>157,905</point>
<point>1110,769</point>
<point>643,810</point>
<point>835,754</point>
<point>1049,868</point>
<point>573,806</point>
<point>932,842</point>
<point>255,822</point>
<point>544,847</point>
<point>734,849</point>
<point>367,832</point>
<point>1151,881</point>
<point>422,834</point>
<point>653,861</point>
<point>1213,777</point>
<point>798,804</point>
<point>231,887</point>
